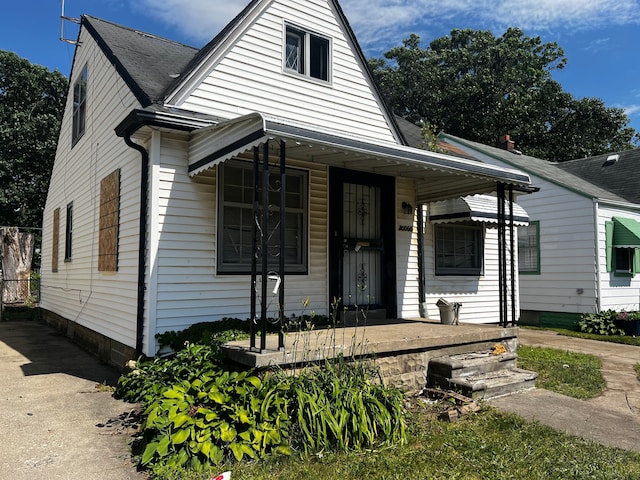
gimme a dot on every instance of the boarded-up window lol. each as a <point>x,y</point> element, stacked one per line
<point>55,240</point>
<point>109,222</point>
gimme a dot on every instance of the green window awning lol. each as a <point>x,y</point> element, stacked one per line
<point>626,232</point>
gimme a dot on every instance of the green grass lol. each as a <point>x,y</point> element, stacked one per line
<point>637,369</point>
<point>624,339</point>
<point>486,445</point>
<point>573,374</point>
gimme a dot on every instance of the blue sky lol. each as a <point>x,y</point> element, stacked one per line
<point>600,37</point>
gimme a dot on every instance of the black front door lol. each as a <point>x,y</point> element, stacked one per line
<point>362,240</point>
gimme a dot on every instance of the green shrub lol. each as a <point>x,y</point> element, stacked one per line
<point>218,416</point>
<point>146,380</point>
<point>600,323</point>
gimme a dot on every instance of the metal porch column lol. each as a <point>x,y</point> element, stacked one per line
<point>514,319</point>
<point>254,248</point>
<point>502,264</point>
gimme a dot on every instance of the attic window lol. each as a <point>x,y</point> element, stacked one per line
<point>79,106</point>
<point>306,53</point>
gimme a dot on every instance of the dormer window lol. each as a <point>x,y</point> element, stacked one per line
<point>306,53</point>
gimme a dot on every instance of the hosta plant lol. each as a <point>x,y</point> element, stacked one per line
<point>218,416</point>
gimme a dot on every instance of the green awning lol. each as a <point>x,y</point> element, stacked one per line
<point>626,232</point>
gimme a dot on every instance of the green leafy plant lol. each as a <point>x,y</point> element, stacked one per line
<point>339,406</point>
<point>147,379</point>
<point>600,323</point>
<point>216,417</point>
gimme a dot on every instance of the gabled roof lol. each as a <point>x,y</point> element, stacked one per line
<point>540,168</point>
<point>618,173</point>
<point>148,64</point>
<point>154,67</point>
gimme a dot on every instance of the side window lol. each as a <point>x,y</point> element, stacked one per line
<point>306,53</point>
<point>55,240</point>
<point>79,106</point>
<point>459,249</point>
<point>68,233</point>
<point>529,248</point>
<point>109,222</point>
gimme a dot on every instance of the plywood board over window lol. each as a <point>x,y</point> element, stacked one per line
<point>55,239</point>
<point>109,222</point>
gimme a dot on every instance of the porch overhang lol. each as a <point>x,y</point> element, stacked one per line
<point>438,176</point>
<point>477,208</point>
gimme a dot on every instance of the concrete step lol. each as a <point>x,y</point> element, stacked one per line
<point>480,375</point>
<point>473,363</point>
<point>494,384</point>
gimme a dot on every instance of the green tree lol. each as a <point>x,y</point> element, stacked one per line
<point>32,101</point>
<point>478,86</point>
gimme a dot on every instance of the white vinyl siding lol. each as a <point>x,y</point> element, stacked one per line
<point>250,78</point>
<point>478,294</point>
<point>186,288</point>
<point>103,302</point>
<point>618,292</point>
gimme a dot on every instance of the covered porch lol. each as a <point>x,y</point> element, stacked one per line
<point>401,348</point>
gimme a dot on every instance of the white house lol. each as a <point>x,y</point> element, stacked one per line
<point>154,221</point>
<point>580,252</point>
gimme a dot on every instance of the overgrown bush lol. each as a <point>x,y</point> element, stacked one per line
<point>216,417</point>
<point>147,379</point>
<point>600,323</point>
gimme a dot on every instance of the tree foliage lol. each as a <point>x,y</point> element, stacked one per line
<point>32,102</point>
<point>478,86</point>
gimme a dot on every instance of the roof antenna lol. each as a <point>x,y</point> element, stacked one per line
<point>68,19</point>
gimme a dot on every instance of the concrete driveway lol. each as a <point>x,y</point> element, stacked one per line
<point>56,421</point>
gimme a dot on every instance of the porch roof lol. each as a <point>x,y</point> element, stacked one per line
<point>439,176</point>
<point>478,208</point>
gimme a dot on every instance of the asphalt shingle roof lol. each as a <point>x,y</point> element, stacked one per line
<point>621,177</point>
<point>149,64</point>
<point>541,168</point>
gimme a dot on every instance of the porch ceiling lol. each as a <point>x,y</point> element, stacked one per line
<point>437,176</point>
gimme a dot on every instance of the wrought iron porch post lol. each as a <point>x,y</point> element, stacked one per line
<point>254,248</point>
<point>264,250</point>
<point>501,256</point>
<point>512,257</point>
<point>283,204</point>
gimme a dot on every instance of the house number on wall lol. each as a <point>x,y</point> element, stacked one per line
<point>405,228</point>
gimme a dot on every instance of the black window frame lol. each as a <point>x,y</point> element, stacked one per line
<point>443,252</point>
<point>68,233</point>
<point>313,58</point>
<point>243,267</point>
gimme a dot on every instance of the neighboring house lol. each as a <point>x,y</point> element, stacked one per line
<point>580,252</point>
<point>152,207</point>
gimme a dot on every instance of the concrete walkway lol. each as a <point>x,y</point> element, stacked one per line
<point>612,418</point>
<point>55,421</point>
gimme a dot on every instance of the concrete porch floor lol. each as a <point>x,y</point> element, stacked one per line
<point>401,348</point>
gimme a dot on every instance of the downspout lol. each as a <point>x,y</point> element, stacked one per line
<point>597,252</point>
<point>421,295</point>
<point>142,244</point>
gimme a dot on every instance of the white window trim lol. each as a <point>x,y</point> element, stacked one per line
<point>308,33</point>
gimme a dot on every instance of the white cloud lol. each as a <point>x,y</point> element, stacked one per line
<point>632,110</point>
<point>392,20</point>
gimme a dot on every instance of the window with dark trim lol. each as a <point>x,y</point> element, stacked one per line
<point>307,53</point>
<point>235,222</point>
<point>79,106</point>
<point>459,248</point>
<point>109,222</point>
<point>68,236</point>
<point>55,240</point>
<point>529,248</point>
